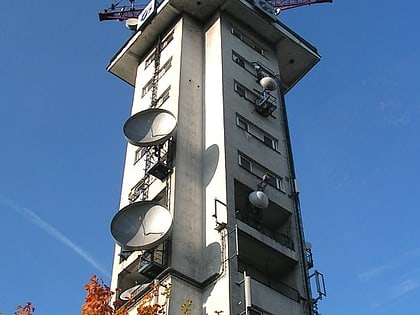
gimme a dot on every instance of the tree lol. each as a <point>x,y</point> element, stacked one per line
<point>98,297</point>
<point>27,309</point>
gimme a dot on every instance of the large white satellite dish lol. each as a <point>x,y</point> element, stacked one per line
<point>149,127</point>
<point>141,225</point>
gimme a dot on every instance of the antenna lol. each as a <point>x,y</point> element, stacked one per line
<point>121,12</point>
<point>132,292</point>
<point>128,294</point>
<point>268,83</point>
<point>141,225</point>
<point>258,199</point>
<point>282,5</point>
<point>150,127</point>
<point>131,24</point>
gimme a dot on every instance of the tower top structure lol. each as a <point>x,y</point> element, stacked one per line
<point>209,199</point>
<point>120,12</point>
<point>298,56</point>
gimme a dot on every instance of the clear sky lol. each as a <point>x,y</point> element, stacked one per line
<point>355,127</point>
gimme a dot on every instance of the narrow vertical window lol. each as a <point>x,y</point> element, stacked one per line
<point>149,60</point>
<point>147,88</point>
<point>240,89</point>
<point>244,163</point>
<point>269,141</point>
<point>241,123</point>
<point>163,97</point>
<point>140,152</point>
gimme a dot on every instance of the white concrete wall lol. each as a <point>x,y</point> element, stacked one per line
<point>187,235</point>
<point>216,296</point>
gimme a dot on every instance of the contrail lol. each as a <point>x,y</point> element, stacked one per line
<point>44,225</point>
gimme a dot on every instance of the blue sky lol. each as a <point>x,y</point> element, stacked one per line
<point>355,126</point>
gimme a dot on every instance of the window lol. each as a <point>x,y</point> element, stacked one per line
<point>165,68</point>
<point>163,97</point>
<point>140,152</point>
<point>245,163</point>
<point>257,132</point>
<point>238,59</point>
<point>269,141</point>
<point>148,86</point>
<point>264,103</point>
<point>245,93</point>
<point>259,171</point>
<point>242,62</point>
<point>240,89</point>
<point>241,123</point>
<point>138,191</point>
<point>165,42</point>
<point>275,181</point>
<point>149,60</point>
<point>248,41</point>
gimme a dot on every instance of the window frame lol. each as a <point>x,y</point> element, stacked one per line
<point>257,132</point>
<point>248,41</point>
<point>259,170</point>
<point>139,154</point>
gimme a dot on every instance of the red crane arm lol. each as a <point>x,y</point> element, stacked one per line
<point>120,13</point>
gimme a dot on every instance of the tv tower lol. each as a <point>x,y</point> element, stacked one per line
<point>209,199</point>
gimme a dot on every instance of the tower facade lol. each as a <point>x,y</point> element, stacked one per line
<point>209,202</point>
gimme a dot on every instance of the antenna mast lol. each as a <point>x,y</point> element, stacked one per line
<point>121,12</point>
<point>281,5</point>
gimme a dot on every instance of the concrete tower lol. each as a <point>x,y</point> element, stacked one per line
<point>209,202</point>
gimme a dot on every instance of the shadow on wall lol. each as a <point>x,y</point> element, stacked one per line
<point>210,162</point>
<point>213,262</point>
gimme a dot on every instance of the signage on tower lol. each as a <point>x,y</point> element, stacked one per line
<point>146,14</point>
<point>266,8</point>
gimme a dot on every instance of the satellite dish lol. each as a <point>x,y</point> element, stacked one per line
<point>130,293</point>
<point>308,246</point>
<point>141,225</point>
<point>268,83</point>
<point>131,24</point>
<point>258,199</point>
<point>149,127</point>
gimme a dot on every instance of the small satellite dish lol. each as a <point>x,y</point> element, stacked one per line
<point>258,199</point>
<point>128,294</point>
<point>141,225</point>
<point>308,246</point>
<point>131,292</point>
<point>149,127</point>
<point>268,83</point>
<point>131,24</point>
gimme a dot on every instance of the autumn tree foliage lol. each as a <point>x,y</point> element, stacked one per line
<point>27,309</point>
<point>98,297</point>
<point>97,300</point>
